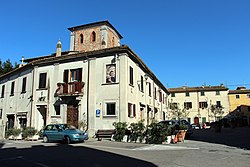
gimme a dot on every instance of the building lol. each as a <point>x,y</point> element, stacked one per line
<point>96,83</point>
<point>196,102</point>
<point>239,100</point>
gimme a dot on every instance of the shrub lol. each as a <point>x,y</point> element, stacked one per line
<point>156,133</point>
<point>13,131</point>
<point>120,128</point>
<point>29,132</point>
<point>137,131</point>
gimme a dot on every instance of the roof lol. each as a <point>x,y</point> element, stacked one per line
<point>102,53</point>
<point>47,56</point>
<point>72,56</point>
<point>239,91</point>
<point>197,89</point>
<point>105,22</point>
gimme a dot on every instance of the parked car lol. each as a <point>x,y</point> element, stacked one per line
<point>63,133</point>
<point>190,128</point>
<point>169,122</point>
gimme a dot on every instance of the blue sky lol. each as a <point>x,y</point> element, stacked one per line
<point>184,42</point>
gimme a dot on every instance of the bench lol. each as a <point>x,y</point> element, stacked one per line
<point>104,133</point>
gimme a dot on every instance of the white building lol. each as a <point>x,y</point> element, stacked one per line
<point>97,82</point>
<point>197,101</point>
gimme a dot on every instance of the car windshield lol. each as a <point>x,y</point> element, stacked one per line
<point>67,126</point>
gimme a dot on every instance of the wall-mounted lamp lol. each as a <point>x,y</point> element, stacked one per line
<point>146,76</point>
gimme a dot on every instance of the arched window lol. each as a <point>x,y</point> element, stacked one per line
<point>113,41</point>
<point>81,38</point>
<point>93,37</point>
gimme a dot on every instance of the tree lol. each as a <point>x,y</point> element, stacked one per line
<point>1,68</point>
<point>7,66</point>
<point>217,111</point>
<point>177,112</point>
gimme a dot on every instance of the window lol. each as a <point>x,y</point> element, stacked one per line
<point>93,36</point>
<point>217,92</point>
<point>76,75</point>
<point>24,85</point>
<point>237,96</point>
<point>160,96</point>
<point>110,73</point>
<point>218,104</point>
<point>187,105</point>
<point>131,76</point>
<point>172,94</point>
<point>149,89</point>
<point>81,38</point>
<point>155,94</point>
<point>142,89</point>
<point>42,80</point>
<point>204,120</point>
<point>113,41</point>
<point>131,110</point>
<point>2,94</point>
<point>202,93</point>
<point>57,109</point>
<point>187,94</point>
<point>202,105</point>
<point>163,98</point>
<point>1,113</point>
<point>12,88</point>
<point>110,109</point>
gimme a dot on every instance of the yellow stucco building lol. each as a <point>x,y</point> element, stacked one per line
<point>239,100</point>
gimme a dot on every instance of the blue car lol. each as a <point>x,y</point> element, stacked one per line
<point>64,133</point>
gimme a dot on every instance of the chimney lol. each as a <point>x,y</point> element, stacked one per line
<point>22,62</point>
<point>58,48</point>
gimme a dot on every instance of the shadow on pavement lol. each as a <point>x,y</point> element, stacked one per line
<point>65,155</point>
<point>237,137</point>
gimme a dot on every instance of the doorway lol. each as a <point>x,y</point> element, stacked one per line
<point>72,115</point>
<point>11,120</point>
<point>43,111</point>
<point>196,120</point>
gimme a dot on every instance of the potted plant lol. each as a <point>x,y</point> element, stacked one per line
<point>13,133</point>
<point>120,128</point>
<point>137,130</point>
<point>29,133</point>
<point>217,126</point>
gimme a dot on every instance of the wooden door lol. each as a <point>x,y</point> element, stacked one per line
<point>72,115</point>
<point>196,121</point>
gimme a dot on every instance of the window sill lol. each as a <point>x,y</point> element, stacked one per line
<point>111,83</point>
<point>42,89</point>
<point>55,116</point>
<point>131,85</point>
<point>109,116</point>
<point>11,95</point>
<point>23,92</point>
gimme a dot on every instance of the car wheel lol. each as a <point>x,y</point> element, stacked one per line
<point>67,140</point>
<point>45,139</point>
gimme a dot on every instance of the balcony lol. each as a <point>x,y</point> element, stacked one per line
<point>70,89</point>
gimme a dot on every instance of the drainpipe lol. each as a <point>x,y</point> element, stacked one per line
<point>31,96</point>
<point>88,95</point>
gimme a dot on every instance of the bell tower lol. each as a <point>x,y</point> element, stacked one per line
<point>94,36</point>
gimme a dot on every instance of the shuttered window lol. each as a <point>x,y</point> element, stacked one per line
<point>24,85</point>
<point>42,80</point>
